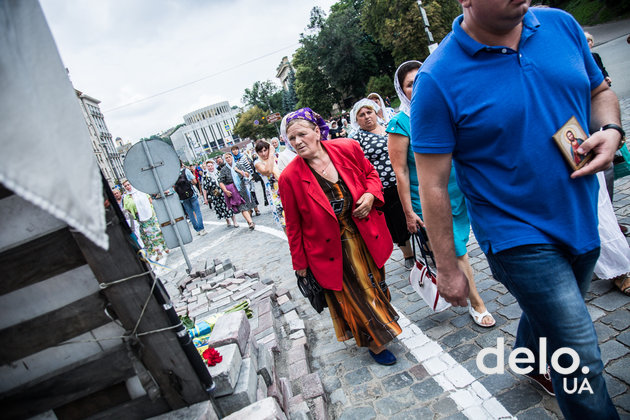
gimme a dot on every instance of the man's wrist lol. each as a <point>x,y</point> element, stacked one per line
<point>620,130</point>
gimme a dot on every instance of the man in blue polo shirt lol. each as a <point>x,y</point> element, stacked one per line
<point>491,97</point>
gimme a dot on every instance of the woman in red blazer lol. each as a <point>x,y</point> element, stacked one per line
<point>328,194</point>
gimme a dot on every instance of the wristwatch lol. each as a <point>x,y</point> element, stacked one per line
<point>616,127</point>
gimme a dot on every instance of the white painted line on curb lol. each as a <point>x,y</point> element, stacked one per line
<point>472,398</point>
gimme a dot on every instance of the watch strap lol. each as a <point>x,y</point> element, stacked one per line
<point>619,129</point>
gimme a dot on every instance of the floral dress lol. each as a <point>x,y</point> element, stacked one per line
<point>215,197</point>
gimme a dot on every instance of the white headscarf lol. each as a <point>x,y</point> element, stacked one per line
<point>383,107</point>
<point>363,103</point>
<point>143,205</point>
<point>405,103</point>
<point>283,133</point>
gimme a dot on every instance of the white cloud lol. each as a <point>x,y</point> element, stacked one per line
<point>122,51</point>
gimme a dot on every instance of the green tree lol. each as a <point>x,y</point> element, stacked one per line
<point>383,85</point>
<point>246,126</point>
<point>265,95</point>
<point>347,54</point>
<point>312,86</point>
<point>397,25</point>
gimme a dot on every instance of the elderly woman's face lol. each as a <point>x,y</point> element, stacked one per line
<point>210,166</point>
<point>117,194</point>
<point>274,143</point>
<point>407,86</point>
<point>304,138</point>
<point>366,118</point>
<point>228,158</point>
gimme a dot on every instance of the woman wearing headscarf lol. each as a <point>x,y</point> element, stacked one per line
<point>385,113</point>
<point>213,195</point>
<point>139,205</point>
<point>267,167</point>
<point>288,154</point>
<point>329,192</point>
<point>235,190</point>
<point>404,165</point>
<point>373,140</point>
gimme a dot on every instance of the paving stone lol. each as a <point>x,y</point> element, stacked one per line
<point>594,312</point>
<point>461,321</point>
<point>624,338</point>
<point>444,407</point>
<point>358,413</point>
<point>439,331</point>
<point>245,391</point>
<point>311,386</point>
<point>266,365</point>
<point>296,325</point>
<point>611,301</point>
<point>419,372</point>
<point>331,383</point>
<point>614,386</point>
<point>489,295</point>
<point>285,391</point>
<point>536,413</point>
<point>506,299</point>
<point>225,374</point>
<point>465,399</point>
<point>459,376</point>
<point>600,287</point>
<point>512,311</point>
<point>465,352</point>
<point>358,376</point>
<point>287,306</point>
<point>296,353</point>
<point>497,383</point>
<point>489,339</point>
<point>458,337</point>
<point>519,398</point>
<point>231,328</point>
<point>338,396</point>
<point>620,369</point>
<point>393,404</point>
<point>623,401</point>
<point>427,389</point>
<point>381,371</point>
<point>612,350</point>
<point>619,320</point>
<point>298,369</point>
<point>603,332</point>
<point>367,392</point>
<point>510,328</point>
<point>456,416</point>
<point>265,409</point>
<point>398,381</point>
<point>282,299</point>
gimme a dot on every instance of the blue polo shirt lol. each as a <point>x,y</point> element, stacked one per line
<point>496,110</point>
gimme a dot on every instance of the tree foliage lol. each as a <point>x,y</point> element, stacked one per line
<point>398,25</point>
<point>246,128</point>
<point>383,85</point>
<point>265,95</point>
<point>312,86</point>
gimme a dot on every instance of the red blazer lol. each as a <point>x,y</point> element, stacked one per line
<point>312,227</point>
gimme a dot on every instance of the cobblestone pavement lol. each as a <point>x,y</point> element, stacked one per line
<point>436,375</point>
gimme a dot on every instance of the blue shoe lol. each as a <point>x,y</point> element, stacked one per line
<point>384,358</point>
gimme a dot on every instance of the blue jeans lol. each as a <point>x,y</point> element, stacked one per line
<point>549,284</point>
<point>192,209</point>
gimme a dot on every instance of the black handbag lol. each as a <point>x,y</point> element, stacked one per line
<point>312,290</point>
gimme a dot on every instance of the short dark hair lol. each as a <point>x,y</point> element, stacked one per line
<point>261,145</point>
<point>234,147</point>
<point>406,68</point>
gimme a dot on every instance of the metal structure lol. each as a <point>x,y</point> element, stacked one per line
<point>432,44</point>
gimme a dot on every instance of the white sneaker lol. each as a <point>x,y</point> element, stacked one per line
<point>202,232</point>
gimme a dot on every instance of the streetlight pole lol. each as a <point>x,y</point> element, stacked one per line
<point>432,44</point>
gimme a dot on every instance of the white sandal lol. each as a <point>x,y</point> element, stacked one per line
<point>478,317</point>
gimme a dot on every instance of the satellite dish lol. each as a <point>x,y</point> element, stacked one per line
<point>138,169</point>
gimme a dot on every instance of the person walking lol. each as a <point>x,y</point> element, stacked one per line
<point>404,165</point>
<point>267,166</point>
<point>140,206</point>
<point>237,197</point>
<point>373,140</point>
<point>213,195</point>
<point>189,199</point>
<point>328,193</point>
<point>491,96</point>
<point>248,179</point>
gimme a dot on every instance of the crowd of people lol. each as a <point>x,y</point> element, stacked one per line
<point>457,154</point>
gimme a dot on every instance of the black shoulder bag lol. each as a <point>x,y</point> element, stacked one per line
<point>312,291</point>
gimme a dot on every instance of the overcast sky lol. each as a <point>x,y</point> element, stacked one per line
<point>122,51</point>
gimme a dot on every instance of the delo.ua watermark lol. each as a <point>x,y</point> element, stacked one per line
<point>525,355</point>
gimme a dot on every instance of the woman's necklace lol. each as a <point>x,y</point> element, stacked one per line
<point>323,171</point>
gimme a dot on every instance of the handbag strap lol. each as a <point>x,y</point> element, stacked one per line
<point>424,248</point>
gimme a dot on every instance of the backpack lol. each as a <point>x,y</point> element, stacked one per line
<point>183,187</point>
